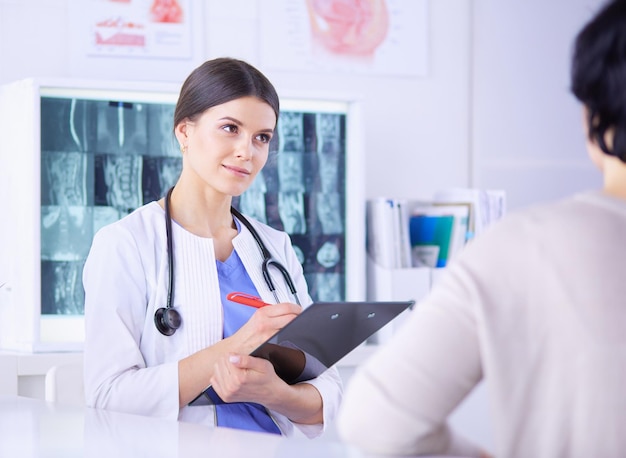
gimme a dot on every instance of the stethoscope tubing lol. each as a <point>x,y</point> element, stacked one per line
<point>265,266</point>
<point>170,249</point>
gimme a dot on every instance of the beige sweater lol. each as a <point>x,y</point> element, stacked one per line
<point>537,306</point>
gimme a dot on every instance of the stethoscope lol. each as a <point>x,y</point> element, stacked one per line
<point>167,319</point>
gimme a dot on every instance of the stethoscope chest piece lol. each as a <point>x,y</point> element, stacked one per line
<point>167,320</point>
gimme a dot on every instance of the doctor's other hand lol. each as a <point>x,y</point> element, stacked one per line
<point>263,324</point>
<point>244,378</point>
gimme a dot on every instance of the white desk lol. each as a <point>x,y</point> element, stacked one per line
<point>23,374</point>
<point>35,428</point>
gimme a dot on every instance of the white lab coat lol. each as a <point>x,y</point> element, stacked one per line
<point>129,365</point>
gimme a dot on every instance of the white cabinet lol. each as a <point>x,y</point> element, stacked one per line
<point>397,285</point>
<point>24,374</point>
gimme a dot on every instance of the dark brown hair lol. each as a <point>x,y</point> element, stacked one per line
<point>219,81</point>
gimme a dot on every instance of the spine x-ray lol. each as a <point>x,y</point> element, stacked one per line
<point>100,160</point>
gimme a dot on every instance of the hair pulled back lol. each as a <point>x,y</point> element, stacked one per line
<point>218,81</point>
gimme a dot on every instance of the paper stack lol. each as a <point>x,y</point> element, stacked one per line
<point>387,233</point>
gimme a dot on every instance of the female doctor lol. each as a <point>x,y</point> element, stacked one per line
<point>159,331</point>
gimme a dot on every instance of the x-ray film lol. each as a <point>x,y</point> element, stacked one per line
<point>102,159</point>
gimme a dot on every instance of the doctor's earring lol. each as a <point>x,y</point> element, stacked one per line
<point>183,148</point>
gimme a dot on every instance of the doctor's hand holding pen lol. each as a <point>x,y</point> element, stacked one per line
<point>239,377</point>
<point>266,321</point>
<point>236,376</point>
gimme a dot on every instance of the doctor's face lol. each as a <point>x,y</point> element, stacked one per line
<point>228,144</point>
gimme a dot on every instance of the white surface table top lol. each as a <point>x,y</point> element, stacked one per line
<point>35,428</point>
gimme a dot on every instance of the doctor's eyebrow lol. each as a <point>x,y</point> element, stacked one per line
<point>239,123</point>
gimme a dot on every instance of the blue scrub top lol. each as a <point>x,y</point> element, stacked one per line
<point>233,277</point>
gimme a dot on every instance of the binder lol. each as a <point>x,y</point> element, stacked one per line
<point>432,230</point>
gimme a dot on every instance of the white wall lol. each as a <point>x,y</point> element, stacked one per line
<point>526,126</point>
<point>494,110</point>
<point>416,129</point>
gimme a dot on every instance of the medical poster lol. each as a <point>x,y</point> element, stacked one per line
<point>375,37</point>
<point>135,28</point>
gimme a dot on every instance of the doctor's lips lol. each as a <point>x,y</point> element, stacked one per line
<point>237,170</point>
<point>246,299</point>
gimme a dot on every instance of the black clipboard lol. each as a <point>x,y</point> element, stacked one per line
<point>318,338</point>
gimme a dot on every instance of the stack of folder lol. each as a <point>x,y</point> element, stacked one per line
<point>404,233</point>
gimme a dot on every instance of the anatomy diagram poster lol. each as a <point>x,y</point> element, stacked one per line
<point>376,37</point>
<point>136,28</point>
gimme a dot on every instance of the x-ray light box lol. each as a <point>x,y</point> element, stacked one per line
<point>77,155</point>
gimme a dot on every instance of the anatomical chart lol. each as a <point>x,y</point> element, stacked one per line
<point>135,28</point>
<point>377,37</point>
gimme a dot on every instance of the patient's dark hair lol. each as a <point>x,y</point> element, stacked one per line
<point>598,75</point>
<point>219,81</point>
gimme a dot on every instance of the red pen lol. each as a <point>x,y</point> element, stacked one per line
<point>246,299</point>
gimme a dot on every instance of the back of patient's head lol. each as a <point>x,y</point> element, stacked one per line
<point>599,76</point>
